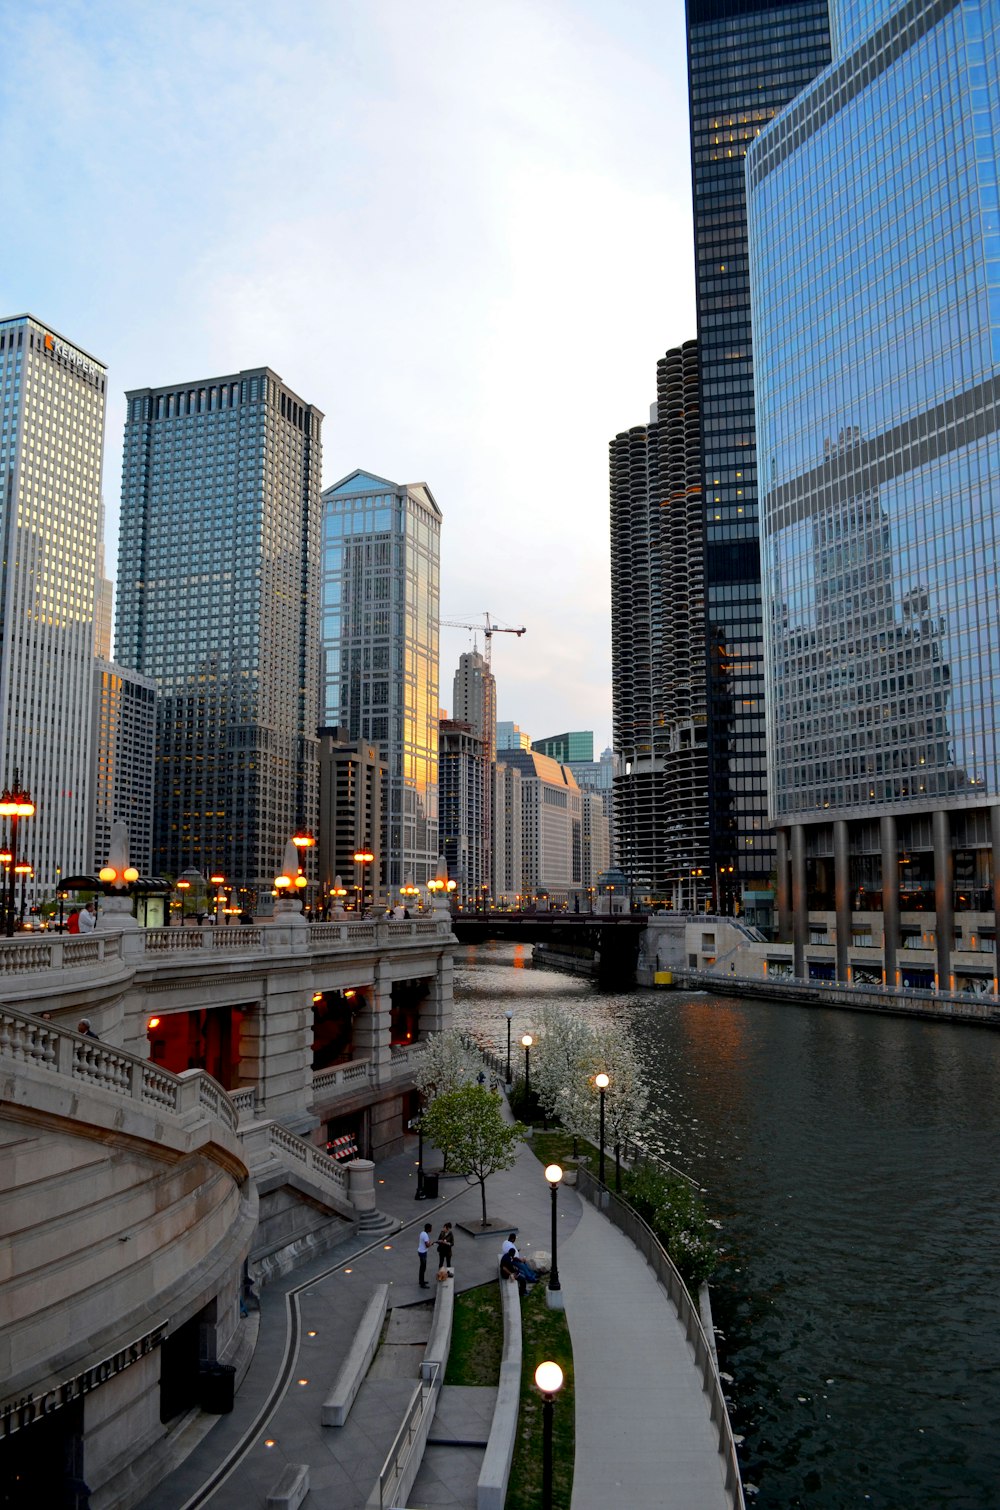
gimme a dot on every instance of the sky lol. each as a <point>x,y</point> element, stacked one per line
<point>461,228</point>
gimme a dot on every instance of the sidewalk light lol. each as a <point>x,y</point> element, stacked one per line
<point>549,1379</point>
<point>526,1043</point>
<point>554,1174</point>
<point>602,1081</point>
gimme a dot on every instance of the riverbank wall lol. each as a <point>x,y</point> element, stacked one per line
<point>976,1010</point>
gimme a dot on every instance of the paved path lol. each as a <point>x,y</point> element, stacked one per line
<point>644,1437</point>
<point>643,1427</point>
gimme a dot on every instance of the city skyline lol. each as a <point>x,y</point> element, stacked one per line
<point>460,198</point>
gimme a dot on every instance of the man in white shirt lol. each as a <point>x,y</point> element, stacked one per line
<point>423,1243</point>
<point>88,920</point>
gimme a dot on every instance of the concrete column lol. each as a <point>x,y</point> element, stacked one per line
<point>843,900</point>
<point>784,907</point>
<point>800,901</point>
<point>284,1047</point>
<point>944,900</point>
<point>995,859</point>
<point>437,1006</point>
<point>890,899</point>
<point>372,1027</point>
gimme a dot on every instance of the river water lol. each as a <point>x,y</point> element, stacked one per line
<point>853,1163</point>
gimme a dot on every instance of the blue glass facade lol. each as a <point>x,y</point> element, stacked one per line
<point>379,633</point>
<point>875,254</point>
<point>746,60</point>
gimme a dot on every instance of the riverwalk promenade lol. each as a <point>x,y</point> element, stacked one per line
<point>644,1437</point>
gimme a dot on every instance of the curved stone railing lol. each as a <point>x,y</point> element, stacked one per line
<point>31,1040</point>
<point>652,1250</point>
<point>175,940</point>
<point>27,956</point>
<point>308,1156</point>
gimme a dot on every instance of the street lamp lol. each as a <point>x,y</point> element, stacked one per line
<point>548,1378</point>
<point>602,1081</point>
<point>554,1174</point>
<point>15,804</point>
<point>526,1043</point>
<point>218,880</point>
<point>23,870</point>
<point>363,856</point>
<point>509,1016</point>
<point>421,1192</point>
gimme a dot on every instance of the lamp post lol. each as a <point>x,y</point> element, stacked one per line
<point>420,1156</point>
<point>554,1174</point>
<point>510,1014</point>
<point>218,880</point>
<point>6,857</point>
<point>363,857</point>
<point>526,1043</point>
<point>23,870</point>
<point>548,1378</point>
<point>602,1081</point>
<point>15,804</point>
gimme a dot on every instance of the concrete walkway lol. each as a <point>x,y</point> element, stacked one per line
<point>644,1437</point>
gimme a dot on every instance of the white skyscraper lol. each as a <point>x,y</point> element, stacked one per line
<point>52,397</point>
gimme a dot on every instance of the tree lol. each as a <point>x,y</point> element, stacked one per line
<point>563,1041</point>
<point>468,1126</point>
<point>626,1097</point>
<point>444,1065</point>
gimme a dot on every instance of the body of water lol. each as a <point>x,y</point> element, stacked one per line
<point>853,1162</point>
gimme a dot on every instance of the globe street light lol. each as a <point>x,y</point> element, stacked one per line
<point>363,856</point>
<point>602,1081</point>
<point>526,1043</point>
<point>509,1016</point>
<point>554,1174</point>
<point>15,804</point>
<point>548,1378</point>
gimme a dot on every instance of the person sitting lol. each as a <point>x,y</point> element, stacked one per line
<point>521,1268</point>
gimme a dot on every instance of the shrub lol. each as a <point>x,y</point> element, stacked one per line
<point>677,1215</point>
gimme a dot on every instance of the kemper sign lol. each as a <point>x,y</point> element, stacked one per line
<point>16,1414</point>
<point>73,358</point>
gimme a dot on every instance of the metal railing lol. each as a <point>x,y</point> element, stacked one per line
<point>424,1398</point>
<point>971,1006</point>
<point>642,1237</point>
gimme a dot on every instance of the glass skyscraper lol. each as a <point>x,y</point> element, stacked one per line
<point>875,239</point>
<point>52,397</point>
<point>380,617</point>
<point>218,602</point>
<point>746,60</point>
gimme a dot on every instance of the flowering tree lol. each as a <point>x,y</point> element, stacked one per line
<point>626,1096</point>
<point>445,1065</point>
<point>562,1042</point>
<point>468,1126</point>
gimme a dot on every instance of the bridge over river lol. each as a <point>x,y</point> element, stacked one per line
<point>613,941</point>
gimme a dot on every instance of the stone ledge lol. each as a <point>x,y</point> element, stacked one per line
<point>337,1405</point>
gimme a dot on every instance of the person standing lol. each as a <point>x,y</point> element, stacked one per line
<point>445,1244</point>
<point>88,922</point>
<point>73,924</point>
<point>423,1244</point>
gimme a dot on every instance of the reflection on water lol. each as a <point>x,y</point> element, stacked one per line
<point>852,1161</point>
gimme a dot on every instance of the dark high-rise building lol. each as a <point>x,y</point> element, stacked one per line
<point>746,60</point>
<point>658,642</point>
<point>218,600</point>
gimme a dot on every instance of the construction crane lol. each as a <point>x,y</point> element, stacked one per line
<point>488,631</point>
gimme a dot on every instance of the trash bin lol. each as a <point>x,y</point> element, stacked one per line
<point>216,1388</point>
<point>431,1187</point>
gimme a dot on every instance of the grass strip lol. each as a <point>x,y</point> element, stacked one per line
<point>476,1337</point>
<point>545,1337</point>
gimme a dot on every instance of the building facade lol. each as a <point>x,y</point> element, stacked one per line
<point>577,745</point>
<point>217,601</point>
<point>463,787</point>
<point>658,629</point>
<point>352,781</point>
<point>877,329</point>
<point>746,60</point>
<point>51,453</point>
<point>123,744</point>
<point>380,617</point>
<point>511,737</point>
<point>551,828</point>
<point>508,871</point>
